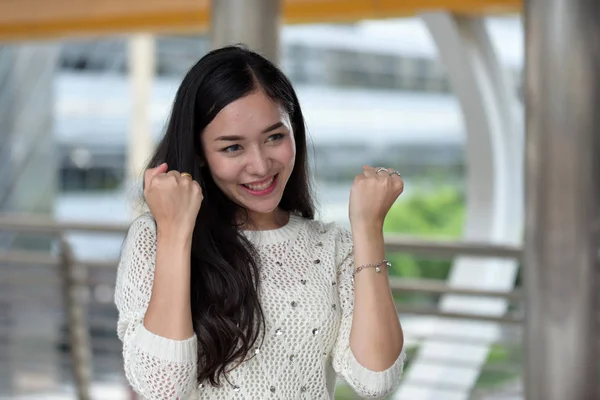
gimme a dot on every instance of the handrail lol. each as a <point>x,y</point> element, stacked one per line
<point>440,287</point>
<point>25,223</point>
<point>450,248</point>
<point>396,284</point>
<point>434,312</point>
<point>394,243</point>
<point>29,257</point>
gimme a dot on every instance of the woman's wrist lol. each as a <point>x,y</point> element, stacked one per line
<point>172,236</point>
<point>366,229</point>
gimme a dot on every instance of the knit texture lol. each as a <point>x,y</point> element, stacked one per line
<point>307,297</point>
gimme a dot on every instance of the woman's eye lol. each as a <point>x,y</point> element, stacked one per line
<point>277,136</point>
<point>232,148</point>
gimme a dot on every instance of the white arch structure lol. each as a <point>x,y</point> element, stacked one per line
<point>494,159</point>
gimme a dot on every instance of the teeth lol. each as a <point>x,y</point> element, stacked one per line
<point>262,186</point>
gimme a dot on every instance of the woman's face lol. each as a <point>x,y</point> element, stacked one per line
<point>250,150</point>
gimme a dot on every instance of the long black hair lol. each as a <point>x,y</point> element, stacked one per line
<point>226,311</point>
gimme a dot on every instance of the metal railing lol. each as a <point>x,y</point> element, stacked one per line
<point>73,277</point>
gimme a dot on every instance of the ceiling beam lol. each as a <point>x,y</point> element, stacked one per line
<point>49,19</point>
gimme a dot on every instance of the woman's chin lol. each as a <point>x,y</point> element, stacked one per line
<point>265,207</point>
<point>260,204</point>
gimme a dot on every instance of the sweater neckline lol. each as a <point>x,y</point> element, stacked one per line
<point>270,236</point>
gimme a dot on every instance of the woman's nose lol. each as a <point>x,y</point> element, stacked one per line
<point>259,164</point>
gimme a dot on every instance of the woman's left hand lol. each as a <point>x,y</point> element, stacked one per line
<point>372,195</point>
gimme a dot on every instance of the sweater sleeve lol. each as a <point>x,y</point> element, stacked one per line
<point>365,382</point>
<point>156,367</point>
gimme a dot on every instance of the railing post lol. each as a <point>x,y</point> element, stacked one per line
<point>78,334</point>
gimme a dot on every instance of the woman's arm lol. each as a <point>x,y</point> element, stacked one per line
<point>157,367</point>
<point>365,355</point>
<point>174,201</point>
<point>153,289</point>
<point>169,312</point>
<point>376,336</point>
<point>368,352</point>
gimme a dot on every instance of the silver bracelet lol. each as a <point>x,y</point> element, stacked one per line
<point>376,266</point>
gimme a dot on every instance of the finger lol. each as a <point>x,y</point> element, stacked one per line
<point>369,171</point>
<point>152,172</point>
<point>384,172</point>
<point>396,175</point>
<point>392,173</point>
<point>160,169</point>
<point>197,187</point>
<point>359,178</point>
<point>180,177</point>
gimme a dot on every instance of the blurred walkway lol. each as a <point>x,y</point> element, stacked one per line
<point>104,391</point>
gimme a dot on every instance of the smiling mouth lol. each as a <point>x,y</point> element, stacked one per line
<point>264,187</point>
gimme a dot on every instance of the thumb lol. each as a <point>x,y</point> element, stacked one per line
<point>152,172</point>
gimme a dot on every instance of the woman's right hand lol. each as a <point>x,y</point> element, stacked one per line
<point>174,200</point>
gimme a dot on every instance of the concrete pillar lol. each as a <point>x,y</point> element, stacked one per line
<point>142,67</point>
<point>562,198</point>
<point>255,23</point>
<point>28,184</point>
<point>28,164</point>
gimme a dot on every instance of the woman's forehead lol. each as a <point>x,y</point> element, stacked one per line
<point>249,115</point>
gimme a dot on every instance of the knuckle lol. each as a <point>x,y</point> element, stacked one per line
<point>154,182</point>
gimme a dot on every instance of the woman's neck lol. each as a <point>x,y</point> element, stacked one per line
<point>263,222</point>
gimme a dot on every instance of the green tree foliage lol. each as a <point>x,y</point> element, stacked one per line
<point>437,213</point>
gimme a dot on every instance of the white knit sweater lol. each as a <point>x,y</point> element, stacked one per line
<point>307,296</point>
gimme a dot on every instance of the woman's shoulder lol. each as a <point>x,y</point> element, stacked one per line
<point>139,246</point>
<point>334,235</point>
<point>141,232</point>
<point>144,221</point>
<point>144,218</point>
<point>329,228</point>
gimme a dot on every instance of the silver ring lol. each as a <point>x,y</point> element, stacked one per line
<point>378,170</point>
<point>394,172</point>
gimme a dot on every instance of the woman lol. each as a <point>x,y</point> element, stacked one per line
<point>227,288</point>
